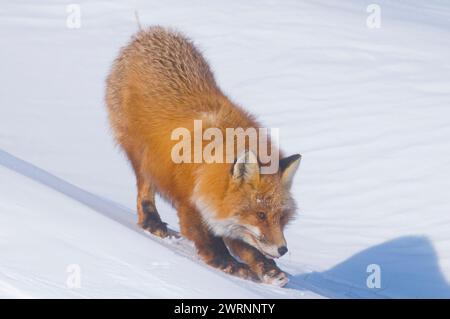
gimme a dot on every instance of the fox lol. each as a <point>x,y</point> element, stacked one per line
<point>234,214</point>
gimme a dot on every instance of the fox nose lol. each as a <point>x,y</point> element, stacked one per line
<point>282,250</point>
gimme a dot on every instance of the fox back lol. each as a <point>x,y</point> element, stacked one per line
<point>160,82</point>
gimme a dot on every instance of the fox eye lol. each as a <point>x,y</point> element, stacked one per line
<point>261,215</point>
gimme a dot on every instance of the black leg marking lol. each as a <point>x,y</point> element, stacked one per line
<point>152,221</point>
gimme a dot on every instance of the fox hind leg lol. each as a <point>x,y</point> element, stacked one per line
<point>148,216</point>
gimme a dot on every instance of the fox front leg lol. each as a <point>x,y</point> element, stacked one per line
<point>210,248</point>
<point>266,269</point>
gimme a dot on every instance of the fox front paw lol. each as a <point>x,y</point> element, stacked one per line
<point>269,273</point>
<point>231,266</point>
<point>276,278</point>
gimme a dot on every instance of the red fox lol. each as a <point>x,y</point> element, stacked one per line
<point>234,214</point>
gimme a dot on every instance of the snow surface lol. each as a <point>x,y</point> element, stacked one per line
<point>369,110</point>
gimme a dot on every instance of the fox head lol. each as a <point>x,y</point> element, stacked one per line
<point>254,207</point>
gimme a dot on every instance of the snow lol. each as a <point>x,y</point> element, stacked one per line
<point>58,225</point>
<point>367,108</point>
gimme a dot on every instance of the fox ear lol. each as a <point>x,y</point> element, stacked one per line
<point>246,167</point>
<point>288,167</point>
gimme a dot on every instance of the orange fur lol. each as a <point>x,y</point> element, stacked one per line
<point>160,82</point>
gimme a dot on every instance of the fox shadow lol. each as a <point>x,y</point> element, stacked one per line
<point>407,267</point>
